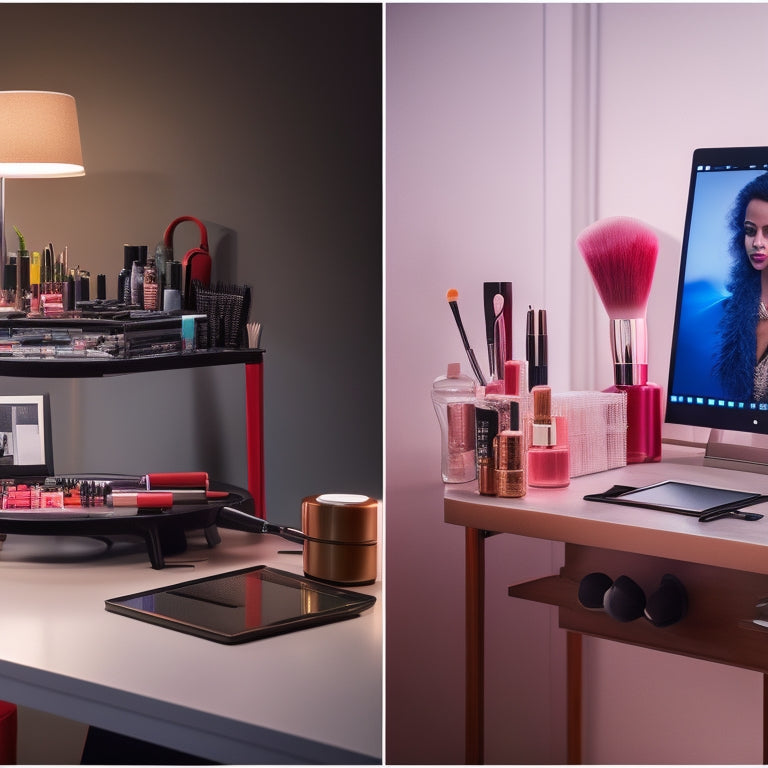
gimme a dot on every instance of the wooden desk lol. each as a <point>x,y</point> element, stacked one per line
<point>723,564</point>
<point>305,697</point>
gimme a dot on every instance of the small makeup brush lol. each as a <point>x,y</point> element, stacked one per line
<point>453,298</point>
<point>620,253</point>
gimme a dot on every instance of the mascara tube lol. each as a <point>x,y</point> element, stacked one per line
<point>536,347</point>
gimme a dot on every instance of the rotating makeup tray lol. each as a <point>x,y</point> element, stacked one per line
<point>163,532</point>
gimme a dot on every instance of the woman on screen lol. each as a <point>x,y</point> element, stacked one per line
<point>741,361</point>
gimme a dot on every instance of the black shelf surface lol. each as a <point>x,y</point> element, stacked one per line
<point>95,367</point>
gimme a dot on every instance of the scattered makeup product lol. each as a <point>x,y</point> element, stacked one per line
<point>486,430</point>
<point>548,453</point>
<point>620,253</point>
<point>141,500</point>
<point>341,538</point>
<point>453,298</point>
<point>510,464</point>
<point>536,347</point>
<point>498,326</point>
<point>597,429</point>
<point>453,397</point>
<point>514,391</point>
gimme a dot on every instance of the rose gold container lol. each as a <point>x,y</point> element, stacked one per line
<point>341,543</point>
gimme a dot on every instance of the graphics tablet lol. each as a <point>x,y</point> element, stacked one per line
<point>674,496</point>
<point>244,605</point>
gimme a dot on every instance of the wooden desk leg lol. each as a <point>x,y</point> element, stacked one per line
<point>573,683</point>
<point>474,618</point>
<point>765,719</point>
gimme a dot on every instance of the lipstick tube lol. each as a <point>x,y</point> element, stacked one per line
<point>141,500</point>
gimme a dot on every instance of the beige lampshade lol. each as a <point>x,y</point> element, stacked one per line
<point>39,135</point>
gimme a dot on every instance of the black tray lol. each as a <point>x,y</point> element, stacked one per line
<point>163,532</point>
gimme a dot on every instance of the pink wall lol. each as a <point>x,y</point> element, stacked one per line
<point>464,155</point>
<point>470,184</point>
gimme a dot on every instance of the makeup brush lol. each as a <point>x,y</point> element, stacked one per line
<point>620,253</point>
<point>453,297</point>
<point>499,339</point>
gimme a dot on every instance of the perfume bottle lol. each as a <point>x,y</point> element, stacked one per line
<point>453,397</point>
<point>549,463</point>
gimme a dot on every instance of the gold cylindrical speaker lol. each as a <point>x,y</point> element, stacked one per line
<point>341,532</point>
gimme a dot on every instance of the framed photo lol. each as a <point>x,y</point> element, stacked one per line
<point>26,445</point>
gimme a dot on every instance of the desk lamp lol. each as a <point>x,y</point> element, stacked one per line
<point>39,138</point>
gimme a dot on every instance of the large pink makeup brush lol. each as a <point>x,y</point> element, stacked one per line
<point>620,253</point>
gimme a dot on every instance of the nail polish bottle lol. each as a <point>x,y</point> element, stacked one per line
<point>453,397</point>
<point>548,453</point>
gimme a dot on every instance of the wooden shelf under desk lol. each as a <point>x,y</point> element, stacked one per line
<point>721,605</point>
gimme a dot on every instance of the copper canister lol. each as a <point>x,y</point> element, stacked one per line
<point>341,534</point>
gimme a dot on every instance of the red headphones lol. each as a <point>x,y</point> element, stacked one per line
<point>196,264</point>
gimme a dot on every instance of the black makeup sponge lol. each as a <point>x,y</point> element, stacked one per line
<point>624,601</point>
<point>668,604</point>
<point>592,589</point>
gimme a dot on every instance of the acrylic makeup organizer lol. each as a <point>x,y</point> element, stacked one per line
<point>254,389</point>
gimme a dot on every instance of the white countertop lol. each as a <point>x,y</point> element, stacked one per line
<point>313,695</point>
<point>562,514</point>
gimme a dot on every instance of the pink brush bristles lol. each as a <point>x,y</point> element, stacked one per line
<point>620,253</point>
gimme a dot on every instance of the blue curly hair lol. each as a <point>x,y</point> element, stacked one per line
<point>735,363</point>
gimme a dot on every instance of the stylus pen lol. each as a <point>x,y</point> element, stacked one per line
<point>716,514</point>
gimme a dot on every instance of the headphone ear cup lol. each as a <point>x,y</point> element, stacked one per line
<point>668,604</point>
<point>592,589</point>
<point>624,601</point>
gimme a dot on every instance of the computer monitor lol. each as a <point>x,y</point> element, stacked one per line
<point>714,377</point>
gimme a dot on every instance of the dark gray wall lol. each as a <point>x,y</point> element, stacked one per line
<point>264,121</point>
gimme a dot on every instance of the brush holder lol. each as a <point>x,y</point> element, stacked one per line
<point>341,543</point>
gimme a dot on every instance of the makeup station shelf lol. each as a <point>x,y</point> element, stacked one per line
<point>71,368</point>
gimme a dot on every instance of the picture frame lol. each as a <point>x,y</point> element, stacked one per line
<point>26,442</point>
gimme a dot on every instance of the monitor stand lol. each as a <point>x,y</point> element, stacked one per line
<point>742,451</point>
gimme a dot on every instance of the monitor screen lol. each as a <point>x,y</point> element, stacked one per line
<point>718,374</point>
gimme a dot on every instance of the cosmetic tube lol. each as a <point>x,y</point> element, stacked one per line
<point>142,500</point>
<point>536,347</point>
<point>486,431</point>
<point>548,452</point>
<point>510,464</point>
<point>453,397</point>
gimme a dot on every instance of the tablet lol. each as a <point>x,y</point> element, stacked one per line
<point>240,606</point>
<point>686,498</point>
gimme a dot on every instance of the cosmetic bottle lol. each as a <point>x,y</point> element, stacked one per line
<point>130,254</point>
<point>547,436</point>
<point>486,431</point>
<point>150,285</point>
<point>514,390</point>
<point>137,284</point>
<point>453,397</point>
<point>34,282</point>
<point>510,464</point>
